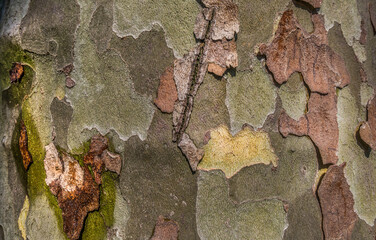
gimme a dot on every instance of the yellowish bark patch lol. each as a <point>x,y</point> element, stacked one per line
<point>231,153</point>
<point>23,216</point>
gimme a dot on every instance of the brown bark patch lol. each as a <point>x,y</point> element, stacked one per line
<point>16,72</point>
<point>69,82</point>
<point>337,204</point>
<point>76,191</point>
<point>167,93</point>
<point>165,229</point>
<point>295,50</point>
<point>367,130</point>
<point>98,156</point>
<point>26,156</point>
<point>221,55</point>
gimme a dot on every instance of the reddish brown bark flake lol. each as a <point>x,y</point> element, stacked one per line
<point>367,130</point>
<point>26,156</point>
<point>337,204</point>
<point>69,82</point>
<point>98,156</point>
<point>76,190</point>
<point>167,93</point>
<point>165,229</point>
<point>319,123</point>
<point>16,73</point>
<point>295,50</point>
<point>68,69</point>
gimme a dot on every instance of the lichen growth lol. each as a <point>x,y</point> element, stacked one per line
<point>232,153</point>
<point>250,97</point>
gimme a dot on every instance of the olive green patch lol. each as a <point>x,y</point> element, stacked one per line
<point>209,109</point>
<point>54,31</point>
<point>294,96</point>
<point>157,180</point>
<point>294,176</point>
<point>177,18</point>
<point>219,217</point>
<point>147,57</point>
<point>250,97</point>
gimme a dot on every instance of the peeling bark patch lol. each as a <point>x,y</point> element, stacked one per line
<point>231,153</point>
<point>100,159</point>
<point>337,204</point>
<point>76,190</point>
<point>190,151</point>
<point>367,130</point>
<point>26,156</point>
<point>165,229</point>
<point>319,123</point>
<point>215,29</point>
<point>294,50</point>
<point>16,73</point>
<point>69,82</point>
<point>167,93</point>
<point>221,55</point>
<point>225,20</point>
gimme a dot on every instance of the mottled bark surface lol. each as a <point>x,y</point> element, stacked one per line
<point>207,119</point>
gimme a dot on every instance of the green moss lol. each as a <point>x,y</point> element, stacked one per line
<point>107,194</point>
<point>108,197</point>
<point>10,53</point>
<point>95,227</point>
<point>36,174</point>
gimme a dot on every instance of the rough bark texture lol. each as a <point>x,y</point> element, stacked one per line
<point>229,118</point>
